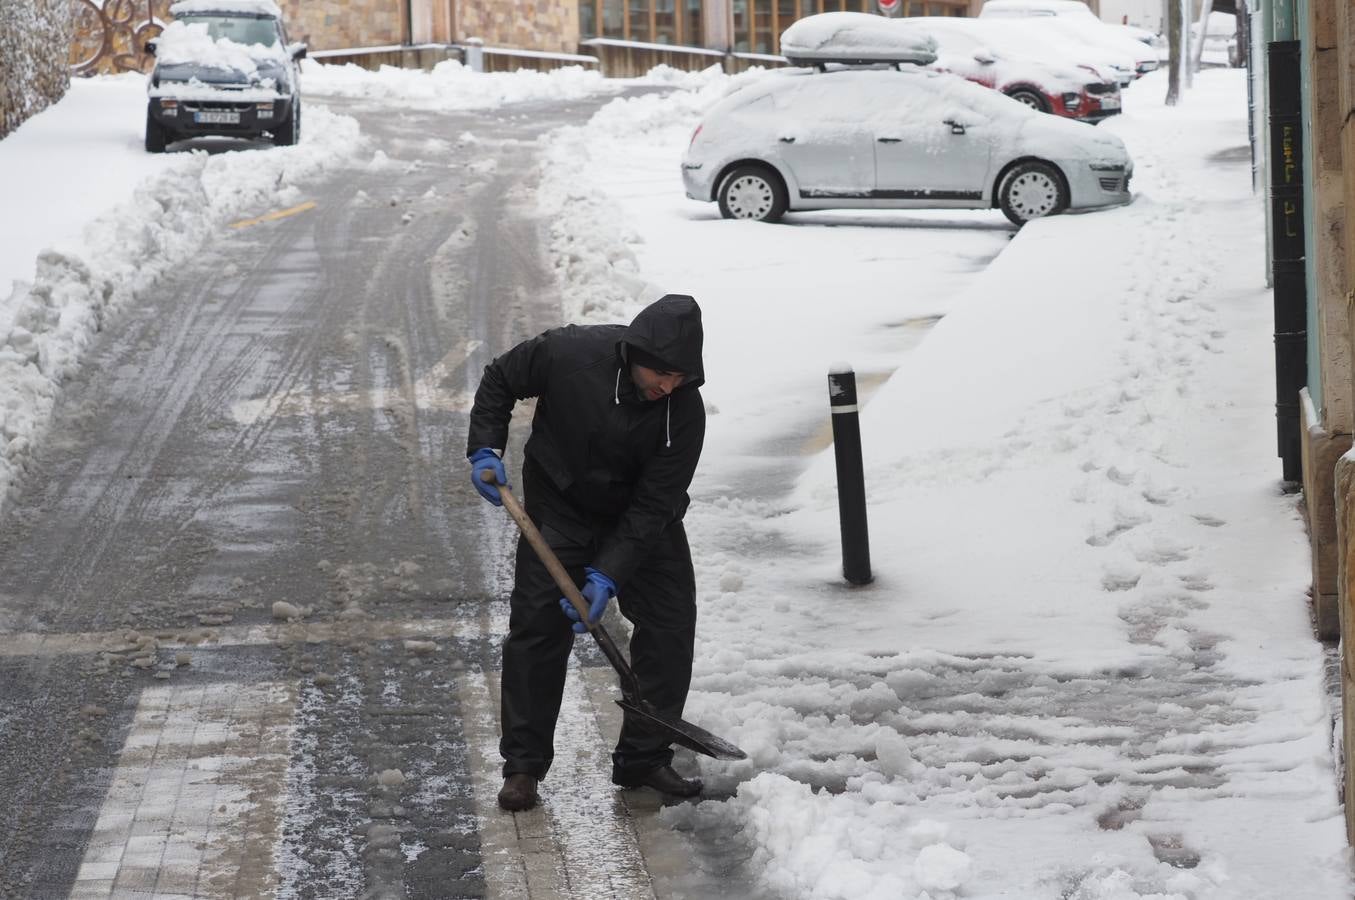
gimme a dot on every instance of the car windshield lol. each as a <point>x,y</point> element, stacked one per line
<point>240,29</point>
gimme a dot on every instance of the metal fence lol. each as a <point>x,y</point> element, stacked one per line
<point>111,35</point>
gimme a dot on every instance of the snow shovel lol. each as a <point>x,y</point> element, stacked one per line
<point>639,710</point>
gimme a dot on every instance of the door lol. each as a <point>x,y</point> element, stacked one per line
<point>929,147</point>
<point>821,131</point>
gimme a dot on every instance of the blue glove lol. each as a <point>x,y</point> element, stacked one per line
<point>597,590</point>
<point>483,460</point>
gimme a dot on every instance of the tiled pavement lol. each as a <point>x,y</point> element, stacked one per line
<point>196,804</point>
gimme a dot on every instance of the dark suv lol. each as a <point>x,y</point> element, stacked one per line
<point>224,68</point>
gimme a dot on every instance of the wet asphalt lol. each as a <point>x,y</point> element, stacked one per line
<point>283,419</point>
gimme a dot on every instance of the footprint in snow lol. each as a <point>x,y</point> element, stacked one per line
<point>1120,581</point>
<point>1162,552</point>
<point>1119,476</point>
<point>1196,583</point>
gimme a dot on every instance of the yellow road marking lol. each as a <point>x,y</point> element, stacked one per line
<point>275,215</point>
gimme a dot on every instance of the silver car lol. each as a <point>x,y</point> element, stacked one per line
<point>901,138</point>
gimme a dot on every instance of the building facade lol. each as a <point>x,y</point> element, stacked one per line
<point>741,26</point>
<point>111,37</point>
<point>1303,57</point>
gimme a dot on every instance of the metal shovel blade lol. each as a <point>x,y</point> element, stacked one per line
<point>643,713</point>
<point>693,737</point>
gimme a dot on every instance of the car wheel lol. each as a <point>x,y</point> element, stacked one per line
<point>753,192</point>
<point>1032,190</point>
<point>1031,99</point>
<point>157,136</point>
<point>289,132</point>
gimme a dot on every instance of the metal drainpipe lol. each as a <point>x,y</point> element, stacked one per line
<point>1287,160</point>
<point>409,23</point>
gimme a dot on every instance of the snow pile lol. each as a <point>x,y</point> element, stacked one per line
<point>1085,667</point>
<point>47,323</point>
<point>451,85</point>
<point>815,844</point>
<point>590,246</point>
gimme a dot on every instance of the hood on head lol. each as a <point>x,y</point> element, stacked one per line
<point>670,329</point>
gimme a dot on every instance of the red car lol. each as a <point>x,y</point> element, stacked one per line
<point>965,48</point>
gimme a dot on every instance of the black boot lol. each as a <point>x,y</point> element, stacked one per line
<point>519,793</point>
<point>663,779</point>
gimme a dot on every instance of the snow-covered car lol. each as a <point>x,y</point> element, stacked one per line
<point>905,137</point>
<point>1054,44</point>
<point>977,51</point>
<point>224,68</point>
<point>1078,24</point>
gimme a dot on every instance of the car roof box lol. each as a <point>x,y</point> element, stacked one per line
<point>855,38</point>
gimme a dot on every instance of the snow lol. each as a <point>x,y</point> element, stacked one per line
<point>100,234</point>
<point>451,85</point>
<point>855,36</point>
<point>189,42</point>
<point>1084,669</point>
<point>257,7</point>
<point>1050,44</point>
<point>92,236</point>
<point>961,43</point>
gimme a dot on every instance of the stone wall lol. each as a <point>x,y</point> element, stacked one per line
<point>339,24</point>
<point>551,25</point>
<point>35,42</point>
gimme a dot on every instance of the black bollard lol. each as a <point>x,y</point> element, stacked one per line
<point>851,479</point>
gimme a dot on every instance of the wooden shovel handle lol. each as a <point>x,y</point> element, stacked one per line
<point>543,550</point>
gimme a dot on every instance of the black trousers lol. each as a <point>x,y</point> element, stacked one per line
<point>660,602</point>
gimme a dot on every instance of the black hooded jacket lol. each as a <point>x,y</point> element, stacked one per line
<point>618,465</point>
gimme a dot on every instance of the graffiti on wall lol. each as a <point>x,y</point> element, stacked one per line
<point>111,35</point>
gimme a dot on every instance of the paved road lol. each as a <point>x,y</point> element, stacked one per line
<point>282,422</point>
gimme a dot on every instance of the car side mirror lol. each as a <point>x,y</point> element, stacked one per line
<point>298,51</point>
<point>150,47</point>
<point>984,57</point>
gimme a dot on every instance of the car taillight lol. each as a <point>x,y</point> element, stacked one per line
<point>694,134</point>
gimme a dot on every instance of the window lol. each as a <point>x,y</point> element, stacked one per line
<point>763,39</point>
<point>665,21</point>
<point>693,35</point>
<point>240,29</point>
<point>588,19</point>
<point>739,8</point>
<point>613,19</point>
<point>639,21</point>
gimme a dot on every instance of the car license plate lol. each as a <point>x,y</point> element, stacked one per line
<point>216,117</point>
<point>1110,103</point>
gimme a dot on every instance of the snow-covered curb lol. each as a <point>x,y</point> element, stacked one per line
<point>169,217</point>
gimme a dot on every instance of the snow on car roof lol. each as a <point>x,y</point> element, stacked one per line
<point>1035,8</point>
<point>253,7</point>
<point>854,37</point>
